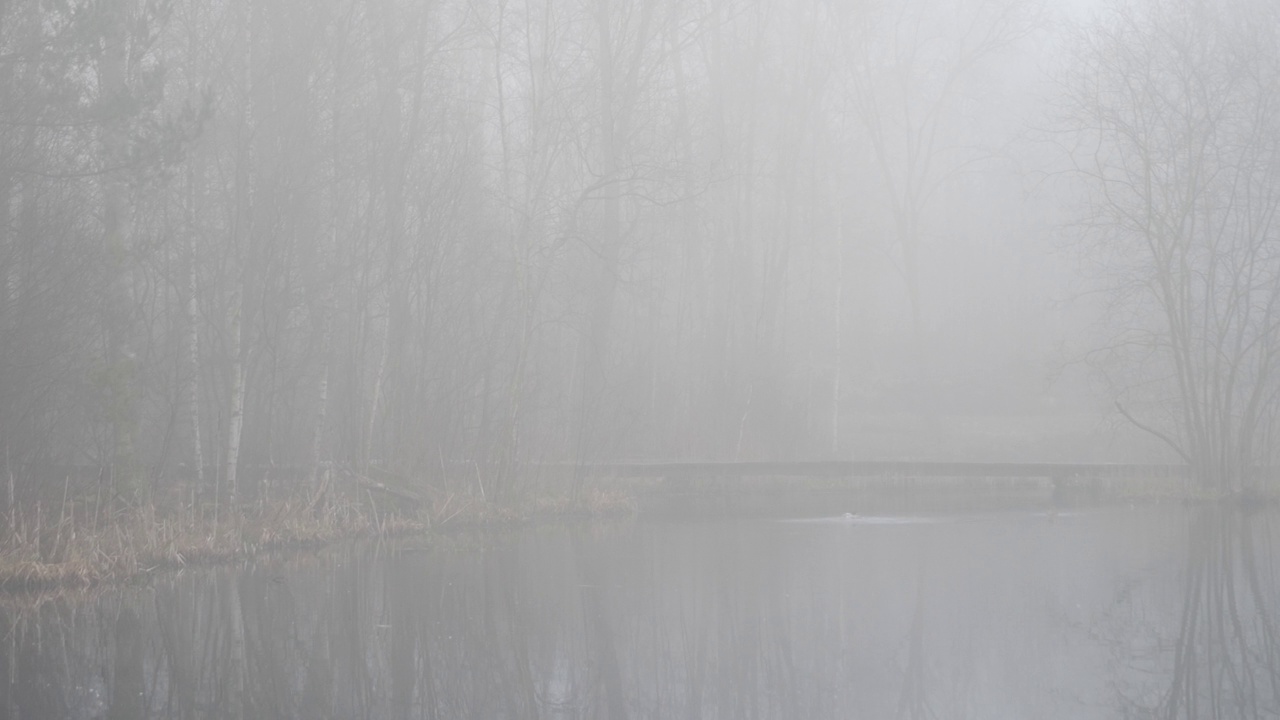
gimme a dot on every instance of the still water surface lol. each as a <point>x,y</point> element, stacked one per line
<point>1014,614</point>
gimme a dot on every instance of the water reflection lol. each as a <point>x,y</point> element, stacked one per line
<point>1111,614</point>
<point>1225,655</point>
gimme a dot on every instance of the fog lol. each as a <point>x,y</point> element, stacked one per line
<point>1005,616</point>
<point>425,235</point>
<point>699,358</point>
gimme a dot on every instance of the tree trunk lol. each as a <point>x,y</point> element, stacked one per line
<point>838,361</point>
<point>322,394</point>
<point>119,366</point>
<point>235,422</point>
<point>192,390</point>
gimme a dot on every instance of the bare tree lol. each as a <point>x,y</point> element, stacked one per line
<point>1175,131</point>
<point>907,79</point>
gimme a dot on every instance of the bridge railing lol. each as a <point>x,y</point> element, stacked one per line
<point>876,468</point>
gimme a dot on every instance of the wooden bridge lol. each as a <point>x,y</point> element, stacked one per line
<point>888,469</point>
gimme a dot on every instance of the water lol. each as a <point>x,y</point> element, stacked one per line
<point>1093,614</point>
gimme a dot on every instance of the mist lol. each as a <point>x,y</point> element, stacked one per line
<point>248,234</point>
<point>276,274</point>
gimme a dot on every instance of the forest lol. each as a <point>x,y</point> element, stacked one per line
<point>450,240</point>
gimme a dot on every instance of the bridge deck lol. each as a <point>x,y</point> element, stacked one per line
<point>883,468</point>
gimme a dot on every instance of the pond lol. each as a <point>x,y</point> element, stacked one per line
<point>993,614</point>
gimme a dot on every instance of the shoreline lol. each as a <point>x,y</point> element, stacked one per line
<point>72,554</point>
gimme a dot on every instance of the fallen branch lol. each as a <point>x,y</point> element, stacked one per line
<point>371,484</point>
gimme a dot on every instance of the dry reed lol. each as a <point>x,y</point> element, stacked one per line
<point>80,546</point>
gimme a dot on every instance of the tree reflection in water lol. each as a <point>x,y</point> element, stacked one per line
<point>728,620</point>
<point>1226,656</point>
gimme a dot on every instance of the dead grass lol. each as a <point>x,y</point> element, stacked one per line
<point>81,550</point>
<point>29,576</point>
<point>593,503</point>
<point>470,511</point>
<point>76,548</point>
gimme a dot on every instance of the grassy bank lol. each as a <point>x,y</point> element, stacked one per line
<point>78,546</point>
<point>76,543</point>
